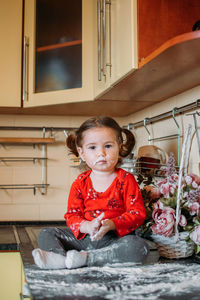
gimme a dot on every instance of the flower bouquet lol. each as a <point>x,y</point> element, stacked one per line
<point>173,212</point>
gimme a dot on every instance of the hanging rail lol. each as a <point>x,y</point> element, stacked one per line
<point>171,136</point>
<point>42,129</point>
<point>24,187</point>
<point>16,159</point>
<point>32,128</point>
<point>166,115</point>
<point>43,141</point>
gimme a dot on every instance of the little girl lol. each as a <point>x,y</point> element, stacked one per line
<point>105,205</point>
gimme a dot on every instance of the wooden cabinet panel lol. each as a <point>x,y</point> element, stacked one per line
<point>10,275</point>
<point>121,46</point>
<point>11,55</point>
<point>124,45</point>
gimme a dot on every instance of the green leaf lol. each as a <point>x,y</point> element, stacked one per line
<point>197,222</point>
<point>188,239</point>
<point>197,249</point>
<point>171,202</point>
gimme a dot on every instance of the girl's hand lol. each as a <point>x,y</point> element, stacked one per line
<point>91,227</point>
<point>106,225</point>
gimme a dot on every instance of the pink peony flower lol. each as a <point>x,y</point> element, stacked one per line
<point>168,185</point>
<point>165,189</point>
<point>190,178</point>
<point>194,208</point>
<point>158,205</point>
<point>160,183</point>
<point>194,185</point>
<point>174,178</point>
<point>195,235</point>
<point>172,190</point>
<point>182,221</point>
<point>164,217</point>
<point>164,221</point>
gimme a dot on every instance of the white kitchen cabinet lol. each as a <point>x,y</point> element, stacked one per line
<point>10,275</point>
<point>119,50</point>
<point>54,50</point>
<point>11,56</point>
<point>121,54</point>
<point>37,92</point>
<point>124,47</point>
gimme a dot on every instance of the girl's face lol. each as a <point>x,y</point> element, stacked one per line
<point>100,149</point>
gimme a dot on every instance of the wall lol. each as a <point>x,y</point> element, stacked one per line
<point>23,205</point>
<point>168,127</point>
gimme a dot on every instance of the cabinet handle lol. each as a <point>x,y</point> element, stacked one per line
<point>102,37</point>
<point>25,69</point>
<point>109,63</point>
<point>99,37</point>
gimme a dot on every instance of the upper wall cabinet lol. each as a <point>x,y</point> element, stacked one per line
<point>160,21</point>
<point>124,46</point>
<point>75,50</point>
<point>65,52</point>
<point>11,56</point>
<point>58,51</point>
<point>116,41</point>
<point>169,55</point>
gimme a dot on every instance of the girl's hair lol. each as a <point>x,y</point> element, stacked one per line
<point>125,137</point>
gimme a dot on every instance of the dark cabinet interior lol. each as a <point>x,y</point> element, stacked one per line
<point>58,45</point>
<point>161,20</point>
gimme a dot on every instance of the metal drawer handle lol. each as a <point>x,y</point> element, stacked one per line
<point>102,37</point>
<point>25,69</point>
<point>99,37</point>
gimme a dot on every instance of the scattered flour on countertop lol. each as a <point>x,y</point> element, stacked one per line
<point>117,281</point>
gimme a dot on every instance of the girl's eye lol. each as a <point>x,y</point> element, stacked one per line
<point>92,147</point>
<point>108,146</point>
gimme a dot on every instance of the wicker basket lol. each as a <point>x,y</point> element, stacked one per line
<point>175,246</point>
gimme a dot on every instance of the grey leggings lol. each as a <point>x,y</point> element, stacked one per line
<point>110,249</point>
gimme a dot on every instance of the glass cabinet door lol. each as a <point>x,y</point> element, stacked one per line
<point>59,51</point>
<point>58,45</point>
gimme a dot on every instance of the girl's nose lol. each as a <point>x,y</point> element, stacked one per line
<point>101,152</point>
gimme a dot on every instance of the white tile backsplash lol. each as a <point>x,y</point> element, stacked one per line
<point>24,205</point>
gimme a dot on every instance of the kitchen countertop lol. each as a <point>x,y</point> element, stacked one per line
<point>7,239</point>
<point>169,279</point>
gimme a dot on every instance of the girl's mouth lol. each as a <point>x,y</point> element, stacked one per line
<point>102,161</point>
